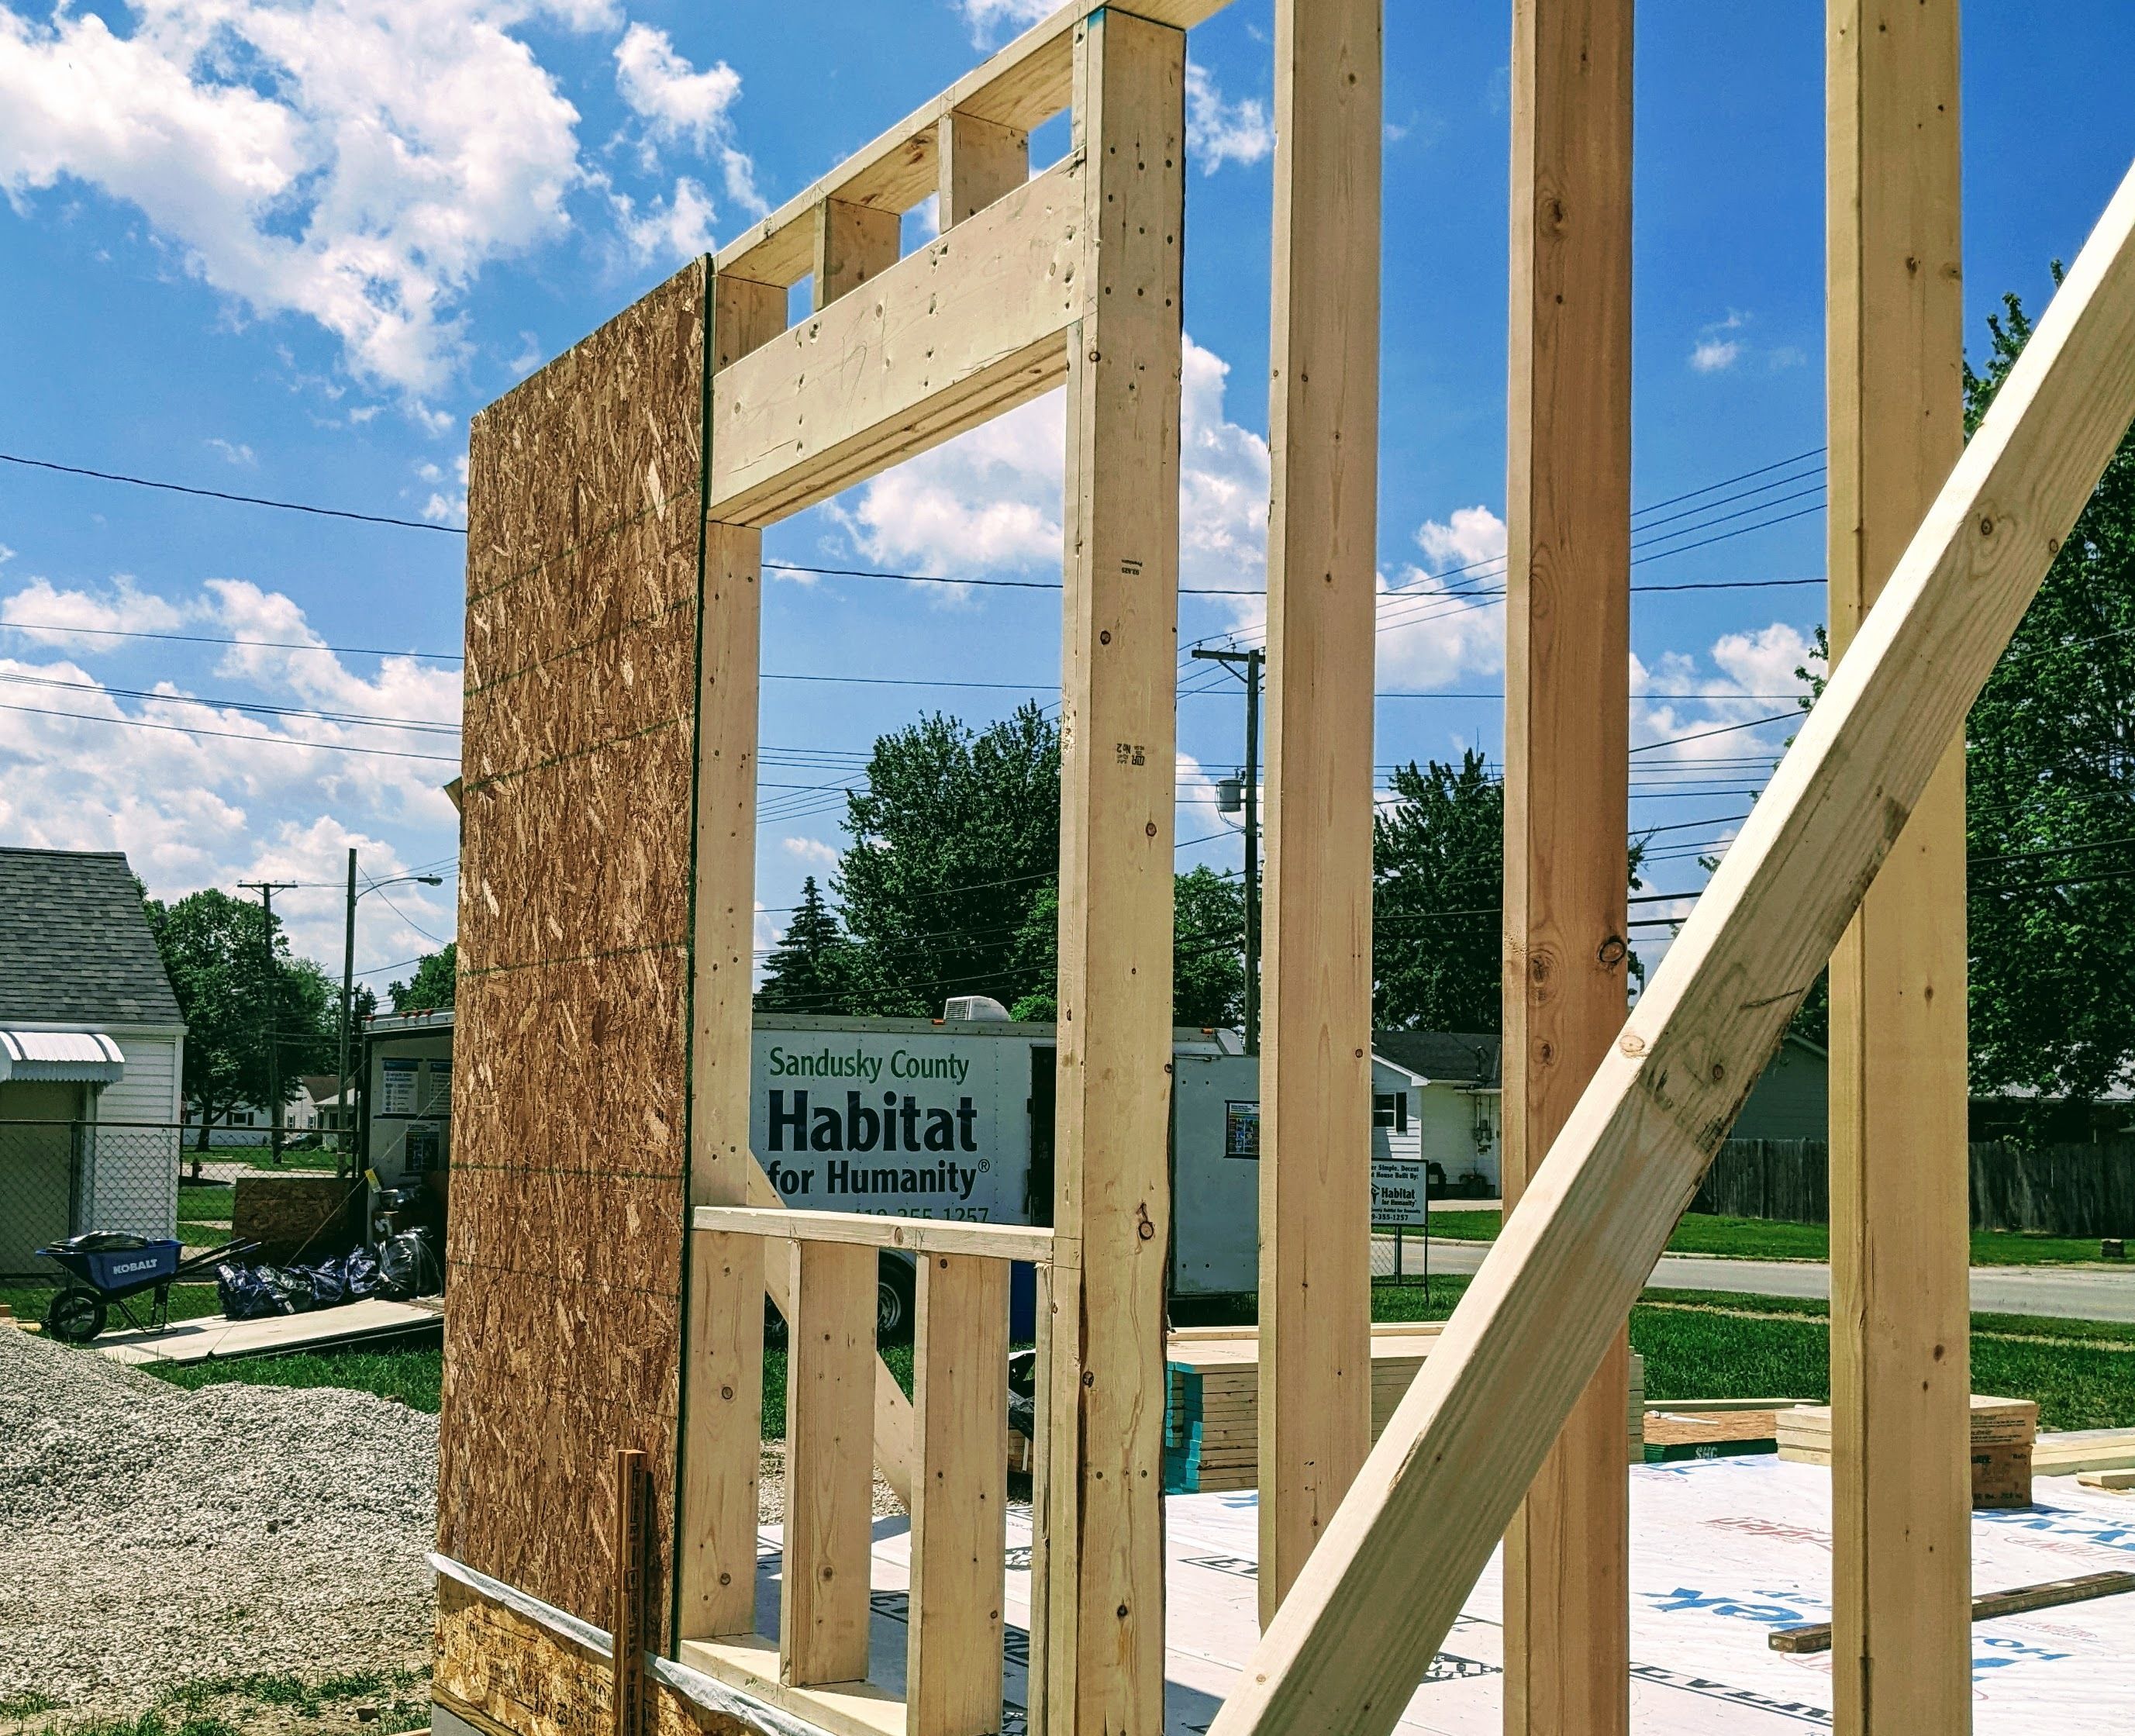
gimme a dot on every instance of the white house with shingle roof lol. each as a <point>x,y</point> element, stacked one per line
<point>92,1050</point>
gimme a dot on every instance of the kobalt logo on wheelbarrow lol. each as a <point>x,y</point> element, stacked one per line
<point>123,1268</point>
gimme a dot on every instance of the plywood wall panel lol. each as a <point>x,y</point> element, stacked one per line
<point>563,1337</point>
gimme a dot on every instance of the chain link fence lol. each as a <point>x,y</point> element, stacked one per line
<point>63,1178</point>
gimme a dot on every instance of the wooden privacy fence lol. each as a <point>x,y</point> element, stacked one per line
<point>2061,1190</point>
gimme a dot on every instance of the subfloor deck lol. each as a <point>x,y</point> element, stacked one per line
<point>1722,1551</point>
<point>213,1337</point>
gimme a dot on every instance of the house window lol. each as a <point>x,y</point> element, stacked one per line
<point>1390,1109</point>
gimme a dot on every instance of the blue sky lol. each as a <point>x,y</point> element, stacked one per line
<point>288,249</point>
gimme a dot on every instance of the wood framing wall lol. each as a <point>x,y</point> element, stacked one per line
<point>1322,576</point>
<point>1900,1321</point>
<point>563,1340</point>
<point>1568,801</point>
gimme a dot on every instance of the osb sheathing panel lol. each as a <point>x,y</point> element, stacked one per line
<point>564,1328</point>
<point>503,1672</point>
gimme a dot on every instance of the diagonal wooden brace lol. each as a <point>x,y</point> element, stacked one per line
<point>1380,1591</point>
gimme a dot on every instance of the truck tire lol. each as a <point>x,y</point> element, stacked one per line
<point>896,1308</point>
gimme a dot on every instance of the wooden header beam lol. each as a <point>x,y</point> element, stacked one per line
<point>1021,87</point>
<point>1388,1577</point>
<point>915,1235</point>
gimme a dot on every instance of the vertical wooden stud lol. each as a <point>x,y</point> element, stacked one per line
<point>1568,636</point>
<point>960,1502</point>
<point>1315,1374</point>
<point>722,1357</point>
<point>980,160</point>
<point>1899,1312</point>
<point>853,244</point>
<point>830,1418</point>
<point>1105,1649</point>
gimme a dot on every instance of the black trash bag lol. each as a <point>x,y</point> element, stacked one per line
<point>245,1295</point>
<point>360,1273</point>
<point>408,1264</point>
<point>292,1284</point>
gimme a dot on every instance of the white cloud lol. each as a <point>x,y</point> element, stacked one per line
<point>678,228</point>
<point>356,162</point>
<point>239,454</point>
<point>1716,355</point>
<point>991,498</point>
<point>812,849</point>
<point>446,506</point>
<point>679,104</point>
<point>1219,132</point>
<point>1471,538</point>
<point>1751,674</point>
<point>987,17</point>
<point>70,619</point>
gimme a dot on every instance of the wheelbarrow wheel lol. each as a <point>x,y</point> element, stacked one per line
<point>75,1316</point>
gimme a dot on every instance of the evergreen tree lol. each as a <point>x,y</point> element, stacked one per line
<point>809,970</point>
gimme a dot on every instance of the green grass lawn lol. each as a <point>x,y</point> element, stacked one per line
<point>1755,1238</point>
<point>1697,1345</point>
<point>188,1301</point>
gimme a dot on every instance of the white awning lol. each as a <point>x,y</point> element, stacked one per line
<point>81,1056</point>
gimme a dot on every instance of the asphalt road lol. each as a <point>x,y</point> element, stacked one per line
<point>2071,1292</point>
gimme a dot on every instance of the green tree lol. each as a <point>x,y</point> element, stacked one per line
<point>1438,859</point>
<point>1208,962</point>
<point>217,951</point>
<point>2050,766</point>
<point>431,988</point>
<point>809,969</point>
<point>954,837</point>
<point>2050,776</point>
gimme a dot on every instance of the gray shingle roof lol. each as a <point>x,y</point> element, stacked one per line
<point>75,942</point>
<point>1450,1057</point>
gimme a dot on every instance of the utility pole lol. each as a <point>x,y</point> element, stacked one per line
<point>1250,797</point>
<point>343,1158</point>
<point>267,890</point>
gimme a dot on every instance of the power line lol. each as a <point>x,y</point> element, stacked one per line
<point>280,741</point>
<point>242,500</point>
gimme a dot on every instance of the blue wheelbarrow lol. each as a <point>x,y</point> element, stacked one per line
<point>109,1268</point>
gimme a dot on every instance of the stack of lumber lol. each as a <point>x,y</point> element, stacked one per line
<point>1211,1399</point>
<point>2079,1450</point>
<point>2003,1431</point>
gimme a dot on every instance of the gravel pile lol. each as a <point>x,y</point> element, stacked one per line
<point>151,1536</point>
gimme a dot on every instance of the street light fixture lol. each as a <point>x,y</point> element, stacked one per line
<point>348,972</point>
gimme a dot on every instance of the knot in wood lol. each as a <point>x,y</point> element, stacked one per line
<point>1612,951</point>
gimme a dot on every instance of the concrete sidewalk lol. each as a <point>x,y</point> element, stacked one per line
<point>2069,1292</point>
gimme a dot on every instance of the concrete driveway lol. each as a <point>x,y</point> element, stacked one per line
<point>2071,1292</point>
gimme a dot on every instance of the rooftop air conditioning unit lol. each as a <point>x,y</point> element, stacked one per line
<point>975,1009</point>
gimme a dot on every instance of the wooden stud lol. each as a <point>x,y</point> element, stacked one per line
<point>1322,575</point>
<point>1568,801</point>
<point>1361,1623</point>
<point>853,244</point>
<point>980,160</point>
<point>1105,1651</point>
<point>1900,1367</point>
<point>723,1346</point>
<point>960,1504</point>
<point>823,1620</point>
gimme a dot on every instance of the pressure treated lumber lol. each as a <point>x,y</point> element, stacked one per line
<point>960,330</point>
<point>1104,1651</point>
<point>980,160</point>
<point>823,1617</point>
<point>1798,1641</point>
<point>915,1235</point>
<point>1382,1590</point>
<point>627,1625</point>
<point>1567,786</point>
<point>1322,578</point>
<point>960,1505</point>
<point>1901,1488</point>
